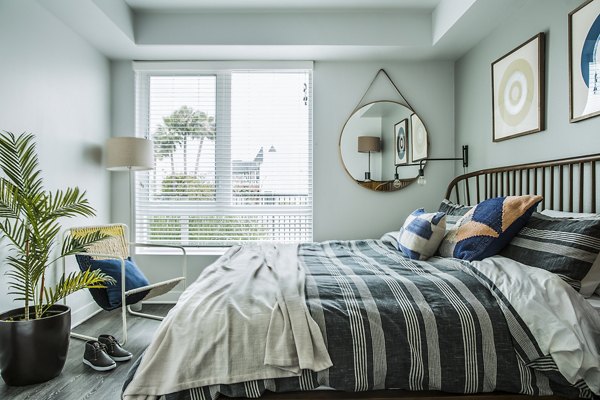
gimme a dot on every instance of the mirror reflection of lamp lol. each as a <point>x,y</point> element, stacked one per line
<point>369,144</point>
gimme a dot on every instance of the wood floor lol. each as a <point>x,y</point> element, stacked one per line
<point>79,381</point>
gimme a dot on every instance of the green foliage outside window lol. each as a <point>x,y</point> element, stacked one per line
<point>176,132</point>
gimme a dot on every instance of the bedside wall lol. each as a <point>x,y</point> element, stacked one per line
<point>56,86</point>
<point>473,95</point>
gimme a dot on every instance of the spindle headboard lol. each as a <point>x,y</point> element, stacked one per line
<point>567,184</point>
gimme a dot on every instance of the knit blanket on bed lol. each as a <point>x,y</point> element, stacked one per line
<point>250,313</point>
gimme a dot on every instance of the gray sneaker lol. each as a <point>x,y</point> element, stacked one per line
<point>95,356</point>
<point>114,349</point>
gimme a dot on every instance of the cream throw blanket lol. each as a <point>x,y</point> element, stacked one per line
<point>244,318</point>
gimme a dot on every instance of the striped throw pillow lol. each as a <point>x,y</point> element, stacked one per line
<point>568,247</point>
<point>453,212</point>
<point>421,234</point>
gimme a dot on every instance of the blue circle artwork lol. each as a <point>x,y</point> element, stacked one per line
<point>400,145</point>
<point>587,53</point>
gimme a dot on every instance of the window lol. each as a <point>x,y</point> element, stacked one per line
<point>233,156</point>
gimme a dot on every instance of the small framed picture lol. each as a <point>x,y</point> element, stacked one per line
<point>518,90</point>
<point>584,61</point>
<point>418,138</point>
<point>401,142</point>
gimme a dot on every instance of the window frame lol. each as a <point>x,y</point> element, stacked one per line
<point>144,71</point>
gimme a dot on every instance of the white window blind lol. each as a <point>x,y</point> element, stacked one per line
<point>233,156</point>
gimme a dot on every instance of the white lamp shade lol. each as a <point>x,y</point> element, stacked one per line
<point>129,153</point>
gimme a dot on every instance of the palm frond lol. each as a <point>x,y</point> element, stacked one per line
<point>19,162</point>
<point>10,201</point>
<point>72,283</point>
<point>20,280</point>
<point>68,203</point>
<point>73,245</point>
<point>15,233</point>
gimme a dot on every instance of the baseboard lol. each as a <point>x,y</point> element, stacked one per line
<point>84,313</point>
<point>167,298</point>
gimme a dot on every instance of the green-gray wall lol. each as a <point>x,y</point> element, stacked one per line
<point>56,86</point>
<point>473,93</point>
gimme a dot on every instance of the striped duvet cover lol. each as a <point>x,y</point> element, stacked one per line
<point>394,323</point>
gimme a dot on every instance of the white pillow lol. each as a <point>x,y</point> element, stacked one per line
<point>421,234</point>
<point>391,237</point>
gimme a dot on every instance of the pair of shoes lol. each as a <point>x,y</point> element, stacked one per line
<point>114,349</point>
<point>95,356</point>
<point>101,354</point>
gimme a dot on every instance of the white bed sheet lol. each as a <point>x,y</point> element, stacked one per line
<point>595,302</point>
<point>564,325</point>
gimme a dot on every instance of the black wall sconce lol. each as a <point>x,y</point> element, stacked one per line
<point>421,177</point>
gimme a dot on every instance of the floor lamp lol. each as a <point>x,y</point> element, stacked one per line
<point>129,154</point>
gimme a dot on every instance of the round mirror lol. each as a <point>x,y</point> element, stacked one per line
<point>380,144</point>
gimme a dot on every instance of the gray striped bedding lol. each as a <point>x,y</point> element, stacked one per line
<point>568,247</point>
<point>394,323</point>
<point>453,211</point>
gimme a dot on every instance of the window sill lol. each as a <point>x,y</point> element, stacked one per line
<point>190,251</point>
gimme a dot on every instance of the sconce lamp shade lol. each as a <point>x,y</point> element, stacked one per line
<point>367,144</point>
<point>129,154</point>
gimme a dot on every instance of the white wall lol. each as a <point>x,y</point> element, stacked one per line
<point>56,86</point>
<point>473,101</point>
<point>342,209</point>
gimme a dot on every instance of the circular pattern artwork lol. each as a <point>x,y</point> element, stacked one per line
<point>419,135</point>
<point>401,156</point>
<point>401,143</point>
<point>515,96</point>
<point>584,61</point>
<point>588,52</point>
<point>517,84</point>
<point>419,138</point>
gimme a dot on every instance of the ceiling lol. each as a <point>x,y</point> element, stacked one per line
<point>262,5</point>
<point>374,30</point>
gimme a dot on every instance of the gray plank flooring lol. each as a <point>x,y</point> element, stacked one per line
<point>79,381</point>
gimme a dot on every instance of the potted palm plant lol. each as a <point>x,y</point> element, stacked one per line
<point>34,338</point>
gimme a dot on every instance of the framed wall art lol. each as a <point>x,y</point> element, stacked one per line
<point>418,138</point>
<point>401,142</point>
<point>584,61</point>
<point>518,90</point>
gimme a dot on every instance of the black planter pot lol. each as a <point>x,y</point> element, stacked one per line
<point>34,351</point>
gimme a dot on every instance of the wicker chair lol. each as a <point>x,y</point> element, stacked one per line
<point>116,246</point>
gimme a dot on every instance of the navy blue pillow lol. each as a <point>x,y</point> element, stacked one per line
<point>488,227</point>
<point>110,298</point>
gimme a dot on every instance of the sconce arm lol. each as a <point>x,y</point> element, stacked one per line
<point>464,159</point>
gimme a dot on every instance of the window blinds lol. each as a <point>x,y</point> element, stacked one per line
<point>233,156</point>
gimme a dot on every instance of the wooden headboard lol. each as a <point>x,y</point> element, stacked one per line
<point>567,184</point>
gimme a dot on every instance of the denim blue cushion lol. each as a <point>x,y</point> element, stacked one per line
<point>488,227</point>
<point>110,298</point>
<point>421,234</point>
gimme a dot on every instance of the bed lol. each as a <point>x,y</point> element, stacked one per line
<point>358,317</point>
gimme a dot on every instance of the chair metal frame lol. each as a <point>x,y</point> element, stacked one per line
<point>124,293</point>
